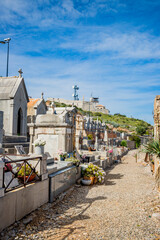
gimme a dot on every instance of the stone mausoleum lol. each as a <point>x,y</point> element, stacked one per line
<point>57,129</point>
<point>13,104</point>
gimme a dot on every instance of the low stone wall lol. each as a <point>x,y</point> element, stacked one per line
<point>20,202</point>
<point>104,163</point>
<point>131,144</point>
<point>62,180</point>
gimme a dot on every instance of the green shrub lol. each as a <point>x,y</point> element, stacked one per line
<point>124,143</point>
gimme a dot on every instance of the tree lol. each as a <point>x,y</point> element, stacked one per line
<point>141,130</point>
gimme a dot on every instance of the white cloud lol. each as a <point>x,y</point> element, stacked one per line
<point>55,78</point>
<point>131,44</point>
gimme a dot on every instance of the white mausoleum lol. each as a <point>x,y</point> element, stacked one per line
<point>13,104</point>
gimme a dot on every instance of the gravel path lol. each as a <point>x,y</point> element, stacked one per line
<point>121,208</point>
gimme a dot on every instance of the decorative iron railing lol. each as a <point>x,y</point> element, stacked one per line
<point>19,169</point>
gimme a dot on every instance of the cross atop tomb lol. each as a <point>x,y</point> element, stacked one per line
<point>20,72</point>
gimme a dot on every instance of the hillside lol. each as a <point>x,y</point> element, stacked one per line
<point>118,121</point>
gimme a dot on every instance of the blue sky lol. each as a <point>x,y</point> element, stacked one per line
<point>110,48</point>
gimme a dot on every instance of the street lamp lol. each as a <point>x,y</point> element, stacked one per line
<point>7,40</point>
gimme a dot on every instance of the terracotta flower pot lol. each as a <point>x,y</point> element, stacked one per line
<point>89,178</point>
<point>32,177</point>
<point>95,180</point>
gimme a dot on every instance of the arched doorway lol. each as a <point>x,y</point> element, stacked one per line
<point>19,122</point>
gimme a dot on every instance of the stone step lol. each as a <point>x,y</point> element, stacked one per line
<point>14,139</point>
<point>11,145</point>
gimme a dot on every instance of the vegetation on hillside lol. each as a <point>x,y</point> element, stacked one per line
<point>117,120</point>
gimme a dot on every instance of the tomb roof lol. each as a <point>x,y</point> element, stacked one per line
<point>99,105</point>
<point>47,118</point>
<point>9,87</point>
<point>32,102</point>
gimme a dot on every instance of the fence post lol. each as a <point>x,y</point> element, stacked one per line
<point>44,173</point>
<point>1,178</point>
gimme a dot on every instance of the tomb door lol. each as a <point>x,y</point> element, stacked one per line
<point>20,122</point>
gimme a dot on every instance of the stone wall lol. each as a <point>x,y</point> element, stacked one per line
<point>18,203</point>
<point>61,181</point>
<point>131,144</point>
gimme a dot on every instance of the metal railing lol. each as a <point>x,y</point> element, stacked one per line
<point>15,165</point>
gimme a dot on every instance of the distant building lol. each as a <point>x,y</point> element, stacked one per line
<point>101,108</point>
<point>36,106</point>
<point>84,105</point>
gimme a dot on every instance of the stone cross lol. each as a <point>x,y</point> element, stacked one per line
<point>20,72</point>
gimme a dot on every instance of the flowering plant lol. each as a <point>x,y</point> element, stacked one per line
<point>62,154</point>
<point>95,171</point>
<point>27,172</point>
<point>75,161</point>
<point>8,167</point>
<point>110,151</point>
<point>39,142</point>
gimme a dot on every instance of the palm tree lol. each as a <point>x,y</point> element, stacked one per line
<point>152,147</point>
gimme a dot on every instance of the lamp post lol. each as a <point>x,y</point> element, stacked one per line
<point>7,40</point>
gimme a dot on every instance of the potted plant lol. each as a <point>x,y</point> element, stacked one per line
<point>99,176</point>
<point>62,155</point>
<point>39,146</point>
<point>94,173</point>
<point>75,161</point>
<point>89,172</point>
<point>27,173</point>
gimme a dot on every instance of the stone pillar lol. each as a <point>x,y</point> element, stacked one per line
<point>41,168</point>
<point>1,178</point>
<point>31,133</point>
<point>96,140</point>
<point>106,137</point>
<point>44,173</point>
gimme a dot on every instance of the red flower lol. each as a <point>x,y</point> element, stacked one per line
<point>8,167</point>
